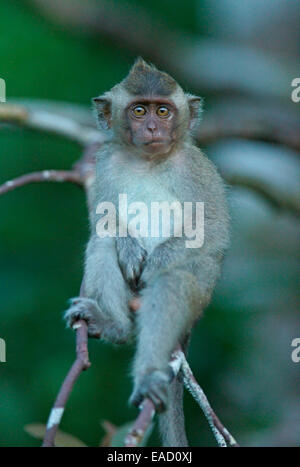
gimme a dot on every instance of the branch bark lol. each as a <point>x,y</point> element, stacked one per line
<point>50,122</point>
<point>81,363</point>
<point>179,364</point>
<point>222,435</point>
<point>59,176</point>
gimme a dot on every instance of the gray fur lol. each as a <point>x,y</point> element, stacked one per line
<point>175,283</point>
<point>147,80</point>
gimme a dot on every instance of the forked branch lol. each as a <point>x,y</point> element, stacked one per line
<point>179,364</point>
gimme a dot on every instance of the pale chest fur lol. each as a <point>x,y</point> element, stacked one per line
<point>135,188</point>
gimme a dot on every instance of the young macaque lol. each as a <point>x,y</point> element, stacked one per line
<point>150,158</point>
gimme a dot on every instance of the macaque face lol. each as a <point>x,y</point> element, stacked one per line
<point>151,125</point>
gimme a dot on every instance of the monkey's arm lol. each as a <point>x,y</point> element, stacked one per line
<point>105,304</point>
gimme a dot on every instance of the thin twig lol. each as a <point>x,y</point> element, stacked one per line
<point>222,435</point>
<point>72,176</point>
<point>81,363</point>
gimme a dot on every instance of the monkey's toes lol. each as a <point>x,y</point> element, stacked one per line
<point>153,385</point>
<point>86,309</point>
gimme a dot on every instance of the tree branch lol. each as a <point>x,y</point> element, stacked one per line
<point>179,364</point>
<point>81,363</point>
<point>277,198</point>
<point>246,120</point>
<point>60,176</point>
<point>141,424</point>
<point>222,435</point>
<point>50,122</point>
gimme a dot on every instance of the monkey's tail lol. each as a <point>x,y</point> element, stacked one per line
<point>171,422</point>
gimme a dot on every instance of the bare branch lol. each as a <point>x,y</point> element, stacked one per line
<point>50,122</point>
<point>60,176</point>
<point>222,435</point>
<point>276,197</point>
<point>140,426</point>
<point>254,122</point>
<point>179,364</point>
<point>81,363</point>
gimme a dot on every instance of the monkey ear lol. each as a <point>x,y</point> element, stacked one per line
<point>196,108</point>
<point>102,106</point>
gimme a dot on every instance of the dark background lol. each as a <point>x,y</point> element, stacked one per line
<point>241,350</point>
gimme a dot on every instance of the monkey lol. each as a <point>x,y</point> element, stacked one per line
<point>150,155</point>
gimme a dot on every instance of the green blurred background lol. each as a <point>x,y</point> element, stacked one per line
<point>240,351</point>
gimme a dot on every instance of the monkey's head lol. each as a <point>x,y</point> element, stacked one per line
<point>148,110</point>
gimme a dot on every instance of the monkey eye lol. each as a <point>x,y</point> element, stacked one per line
<point>163,111</point>
<point>139,110</point>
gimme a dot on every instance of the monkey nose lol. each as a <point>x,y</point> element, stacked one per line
<point>151,126</point>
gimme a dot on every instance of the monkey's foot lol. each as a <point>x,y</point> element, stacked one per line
<point>153,385</point>
<point>86,309</point>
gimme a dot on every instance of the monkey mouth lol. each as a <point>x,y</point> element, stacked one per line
<point>156,142</point>
<point>157,146</point>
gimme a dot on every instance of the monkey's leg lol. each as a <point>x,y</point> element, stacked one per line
<point>169,305</point>
<point>105,304</point>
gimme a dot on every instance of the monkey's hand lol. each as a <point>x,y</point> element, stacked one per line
<point>164,256</point>
<point>131,257</point>
<point>99,325</point>
<point>153,385</point>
